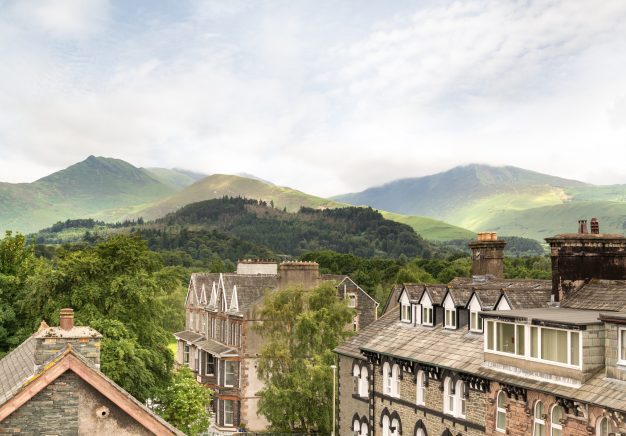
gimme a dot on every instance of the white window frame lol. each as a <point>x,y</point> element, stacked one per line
<point>420,388</point>
<point>395,380</point>
<point>491,326</point>
<point>186,352</point>
<point>610,428</point>
<point>538,420</point>
<point>232,413</point>
<point>208,360</point>
<point>229,363</point>
<point>351,297</point>
<point>478,326</point>
<point>621,346</point>
<point>356,426</point>
<point>451,314</point>
<point>396,426</point>
<point>427,308</point>
<point>459,393</point>
<point>405,308</point>
<point>553,425</point>
<point>500,410</point>
<point>387,379</point>
<point>386,421</point>
<point>449,400</point>
<point>365,429</point>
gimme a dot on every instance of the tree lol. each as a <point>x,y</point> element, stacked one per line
<point>121,287</point>
<point>184,403</point>
<point>300,328</point>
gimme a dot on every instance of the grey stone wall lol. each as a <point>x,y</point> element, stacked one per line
<point>347,403</point>
<point>46,348</point>
<point>613,370</point>
<point>69,406</point>
<point>593,349</point>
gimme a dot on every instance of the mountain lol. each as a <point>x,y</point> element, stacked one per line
<point>85,189</point>
<point>177,178</point>
<point>508,200</point>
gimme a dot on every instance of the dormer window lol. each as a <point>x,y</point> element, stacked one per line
<point>450,319</point>
<point>405,313</point>
<point>427,315</point>
<point>476,322</point>
<point>351,300</point>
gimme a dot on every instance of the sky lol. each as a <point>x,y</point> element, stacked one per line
<point>324,96</point>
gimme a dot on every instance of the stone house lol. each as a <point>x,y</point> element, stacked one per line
<point>51,384</point>
<point>496,356</point>
<point>219,342</point>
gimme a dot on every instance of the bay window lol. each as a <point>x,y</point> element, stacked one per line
<point>210,364</point>
<point>229,373</point>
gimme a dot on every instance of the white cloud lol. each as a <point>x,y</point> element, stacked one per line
<point>325,99</point>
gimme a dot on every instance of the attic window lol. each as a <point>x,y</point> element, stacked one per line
<point>351,300</point>
<point>427,315</point>
<point>405,315</point>
<point>476,322</point>
<point>450,322</point>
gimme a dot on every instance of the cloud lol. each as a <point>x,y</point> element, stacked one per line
<point>324,98</point>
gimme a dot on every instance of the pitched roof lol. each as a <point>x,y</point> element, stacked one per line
<point>250,287</point>
<point>606,295</point>
<point>215,348</point>
<point>188,336</point>
<point>350,347</point>
<point>460,296</point>
<point>18,371</point>
<point>486,297</point>
<point>392,299</point>
<point>527,298</point>
<point>15,368</point>
<point>436,293</point>
<point>413,290</point>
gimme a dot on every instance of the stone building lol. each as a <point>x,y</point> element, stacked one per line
<point>496,356</point>
<point>220,344</point>
<point>51,384</point>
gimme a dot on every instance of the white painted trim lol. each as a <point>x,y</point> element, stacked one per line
<point>360,289</point>
<point>620,346</point>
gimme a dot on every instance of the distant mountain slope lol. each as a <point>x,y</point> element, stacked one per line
<point>82,190</point>
<point>223,185</point>
<point>175,177</point>
<point>443,195</point>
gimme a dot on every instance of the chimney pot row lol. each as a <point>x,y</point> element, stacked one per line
<point>67,319</point>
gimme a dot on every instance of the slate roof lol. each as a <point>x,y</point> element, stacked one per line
<point>606,295</point>
<point>16,368</point>
<point>528,298</point>
<point>215,348</point>
<point>490,282</point>
<point>392,299</point>
<point>250,287</point>
<point>350,347</point>
<point>487,297</point>
<point>188,336</point>
<point>413,290</point>
<point>553,314</point>
<point>338,278</point>
<point>436,293</point>
<point>460,296</point>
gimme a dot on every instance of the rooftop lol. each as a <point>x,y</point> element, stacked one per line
<point>554,315</point>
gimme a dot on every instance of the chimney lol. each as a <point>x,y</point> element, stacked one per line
<point>303,274</point>
<point>582,227</point>
<point>67,319</point>
<point>595,226</point>
<point>52,341</point>
<point>487,255</point>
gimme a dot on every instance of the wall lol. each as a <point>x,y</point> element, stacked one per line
<point>257,268</point>
<point>347,403</point>
<point>69,406</point>
<point>251,385</point>
<point>613,370</point>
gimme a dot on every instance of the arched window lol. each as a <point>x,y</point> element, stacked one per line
<point>448,396</point>
<point>364,385</point>
<point>460,399</point>
<point>420,432</point>
<point>395,427</point>
<point>556,429</point>
<point>386,425</point>
<point>365,431</point>
<point>387,378</point>
<point>420,429</point>
<point>420,396</point>
<point>604,427</point>
<point>355,378</point>
<point>539,420</point>
<point>395,380</point>
<point>356,426</point>
<point>501,412</point>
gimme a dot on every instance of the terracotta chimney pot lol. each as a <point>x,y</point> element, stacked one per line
<point>67,319</point>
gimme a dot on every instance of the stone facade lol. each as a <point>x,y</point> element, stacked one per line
<point>357,406</point>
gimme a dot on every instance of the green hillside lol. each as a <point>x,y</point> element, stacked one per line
<point>175,177</point>
<point>429,228</point>
<point>84,189</point>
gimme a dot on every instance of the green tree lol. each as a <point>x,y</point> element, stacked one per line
<point>184,403</point>
<point>300,328</point>
<point>121,287</point>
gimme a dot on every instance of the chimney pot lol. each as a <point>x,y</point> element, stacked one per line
<point>595,226</point>
<point>582,227</point>
<point>67,318</point>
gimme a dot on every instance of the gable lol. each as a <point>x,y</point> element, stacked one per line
<point>404,299</point>
<point>502,303</point>
<point>448,303</point>
<point>474,304</point>
<point>425,300</point>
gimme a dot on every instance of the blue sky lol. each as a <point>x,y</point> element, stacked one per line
<point>324,96</point>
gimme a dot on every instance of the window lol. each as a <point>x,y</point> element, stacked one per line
<point>386,425</point>
<point>356,374</point>
<point>186,354</point>
<point>229,373</point>
<point>448,396</point>
<point>223,331</point>
<point>427,315</point>
<point>539,420</point>
<point>450,318</point>
<point>604,427</point>
<point>364,429</point>
<point>351,300</point>
<point>213,328</point>
<point>356,426</point>
<point>501,412</point>
<point>460,399</point>
<point>203,324</point>
<point>364,383</point>
<point>395,427</point>
<point>556,429</point>
<point>387,378</point>
<point>546,344</point>
<point>395,380</point>
<point>476,322</point>
<point>622,346</point>
<point>420,397</point>
<point>210,364</point>
<point>228,412</point>
<point>405,314</point>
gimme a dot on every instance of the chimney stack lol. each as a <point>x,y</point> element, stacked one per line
<point>582,227</point>
<point>67,319</point>
<point>487,255</point>
<point>595,226</point>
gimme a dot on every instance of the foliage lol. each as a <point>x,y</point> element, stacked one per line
<point>122,288</point>
<point>534,267</point>
<point>185,403</point>
<point>515,246</point>
<point>300,329</point>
